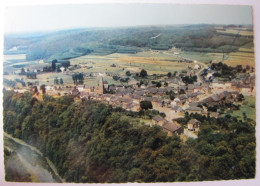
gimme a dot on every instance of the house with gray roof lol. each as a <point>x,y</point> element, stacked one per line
<point>139,93</point>
<point>177,109</point>
<point>193,109</point>
<point>152,90</point>
<point>194,125</point>
<point>172,128</point>
<point>158,120</point>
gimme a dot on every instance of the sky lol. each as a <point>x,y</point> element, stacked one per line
<point>58,17</point>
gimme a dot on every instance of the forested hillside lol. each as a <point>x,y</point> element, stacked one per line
<point>102,41</point>
<point>89,141</point>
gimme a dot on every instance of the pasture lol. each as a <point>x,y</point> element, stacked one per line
<point>132,62</point>
<point>153,61</point>
<point>236,31</point>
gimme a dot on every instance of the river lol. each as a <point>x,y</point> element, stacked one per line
<point>39,167</point>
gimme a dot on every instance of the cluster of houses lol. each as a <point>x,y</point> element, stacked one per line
<point>129,98</point>
<point>188,98</point>
<point>172,127</point>
<point>245,86</point>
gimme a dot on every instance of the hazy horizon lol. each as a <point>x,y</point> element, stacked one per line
<point>28,19</point>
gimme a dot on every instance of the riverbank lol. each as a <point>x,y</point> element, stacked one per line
<point>40,168</point>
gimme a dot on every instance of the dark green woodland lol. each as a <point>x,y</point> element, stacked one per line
<point>89,141</point>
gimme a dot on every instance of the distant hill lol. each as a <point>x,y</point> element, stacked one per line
<point>67,44</point>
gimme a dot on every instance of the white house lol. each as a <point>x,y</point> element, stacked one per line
<point>197,67</point>
<point>62,69</point>
<point>81,88</point>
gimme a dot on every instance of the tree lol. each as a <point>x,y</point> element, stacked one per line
<point>194,78</point>
<point>35,89</point>
<point>128,73</point>
<point>31,75</point>
<point>43,89</point>
<point>169,74</point>
<point>22,71</point>
<point>240,97</point>
<point>78,78</point>
<point>81,78</point>
<point>65,64</point>
<point>116,78</point>
<point>58,69</point>
<point>143,73</point>
<point>172,97</point>
<point>189,80</point>
<point>53,64</point>
<point>47,69</point>
<point>74,77</point>
<point>56,81</point>
<point>238,68</point>
<point>146,105</point>
<point>158,84</point>
<point>61,81</point>
<point>181,91</point>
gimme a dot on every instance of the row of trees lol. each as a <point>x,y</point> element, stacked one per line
<point>58,81</point>
<point>56,68</point>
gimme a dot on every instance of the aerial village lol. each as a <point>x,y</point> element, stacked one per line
<point>183,97</point>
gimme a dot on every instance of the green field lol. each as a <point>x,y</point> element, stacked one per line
<point>235,31</point>
<point>244,56</point>
<point>127,62</point>
<point>155,62</point>
<point>247,107</point>
<point>130,49</point>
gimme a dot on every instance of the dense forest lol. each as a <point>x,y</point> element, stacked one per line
<point>89,141</point>
<point>69,44</point>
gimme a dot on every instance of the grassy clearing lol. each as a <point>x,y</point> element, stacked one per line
<point>248,107</point>
<point>145,121</point>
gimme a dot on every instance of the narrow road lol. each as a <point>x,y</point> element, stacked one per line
<point>202,66</point>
